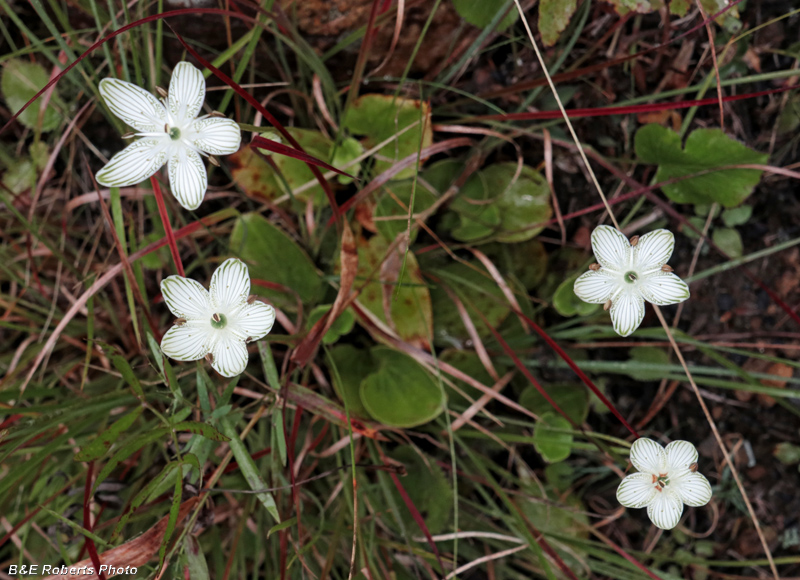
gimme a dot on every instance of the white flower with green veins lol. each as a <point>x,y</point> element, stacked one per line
<point>628,273</point>
<point>667,479</point>
<point>216,324</point>
<point>170,133</point>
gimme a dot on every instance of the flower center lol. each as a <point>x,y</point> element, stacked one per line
<point>174,133</point>
<point>630,277</point>
<point>218,320</point>
<point>660,481</point>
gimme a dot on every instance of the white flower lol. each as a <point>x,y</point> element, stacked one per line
<point>169,133</point>
<point>667,479</point>
<point>629,273</point>
<point>218,322</point>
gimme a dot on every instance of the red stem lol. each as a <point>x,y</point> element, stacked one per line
<point>162,210</point>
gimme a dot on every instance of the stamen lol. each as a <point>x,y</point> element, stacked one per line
<point>595,267</point>
<point>218,320</point>
<point>634,241</point>
<point>213,160</point>
<point>607,305</point>
<point>180,322</point>
<point>666,268</point>
<point>130,135</point>
<point>162,92</point>
<point>693,467</point>
<point>216,114</point>
<point>248,340</point>
<point>630,277</point>
<point>252,298</point>
<point>210,358</point>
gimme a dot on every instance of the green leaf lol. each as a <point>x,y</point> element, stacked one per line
<point>199,428</point>
<point>567,303</point>
<point>468,362</point>
<point>353,365</point>
<point>21,81</point>
<point>273,256</point>
<point>428,488</point>
<point>401,393</point>
<point>549,441</point>
<point>144,495</point>
<point>729,240</point>
<point>572,399</point>
<point>648,355</point>
<point>494,202</point>
<point>480,13</point>
<point>129,448</point>
<point>125,369</point>
<point>172,521</point>
<point>394,203</point>
<point>379,117</point>
<point>282,526</point>
<point>342,325</point>
<point>349,150</point>
<point>706,149</point>
<point>408,305</point>
<point>103,442</point>
<point>737,216</point>
<point>248,468</point>
<point>787,453</point>
<point>195,559</point>
<point>554,16</point>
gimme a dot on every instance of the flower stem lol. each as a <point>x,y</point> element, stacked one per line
<point>162,210</point>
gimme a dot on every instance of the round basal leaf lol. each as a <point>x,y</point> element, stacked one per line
<point>380,117</point>
<point>476,206</point>
<point>404,303</point>
<point>737,216</point>
<point>567,303</point>
<point>21,81</point>
<point>729,240</point>
<point>645,356</point>
<point>443,174</point>
<point>554,16</point>
<point>706,149</point>
<point>273,256</point>
<point>349,150</point>
<point>549,440</point>
<point>428,488</point>
<point>353,365</point>
<point>572,399</point>
<point>395,202</point>
<point>480,13</point>
<point>526,261</point>
<point>401,393</point>
<point>342,325</point>
<point>474,286</point>
<point>493,202</point>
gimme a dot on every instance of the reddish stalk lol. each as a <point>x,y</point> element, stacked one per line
<point>87,520</point>
<point>162,210</point>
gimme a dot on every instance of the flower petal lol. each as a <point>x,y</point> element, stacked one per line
<point>665,510</point>
<point>653,250</point>
<point>187,91</point>
<point>627,312</point>
<point>216,136</point>
<point>637,490</point>
<point>694,489</point>
<point>186,298</point>
<point>663,288</point>
<point>680,456</point>
<point>230,285</point>
<point>596,286</point>
<point>134,164</point>
<point>190,341</point>
<point>254,320</point>
<point>648,456</point>
<point>611,248</point>
<point>188,178</point>
<point>138,108</point>
<point>230,355</point>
